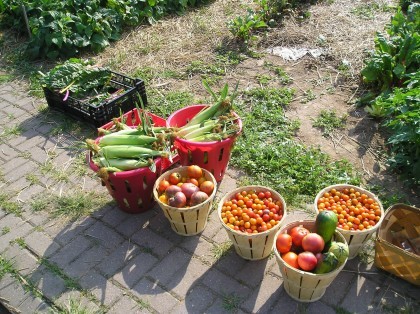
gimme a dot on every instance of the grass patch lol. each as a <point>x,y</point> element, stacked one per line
<point>328,121</point>
<point>72,205</point>
<point>220,250</point>
<point>32,178</point>
<point>163,104</point>
<point>270,156</point>
<point>4,78</point>
<point>69,282</point>
<point>368,11</point>
<point>74,306</point>
<point>5,230</point>
<point>14,130</point>
<point>9,206</point>
<point>6,267</point>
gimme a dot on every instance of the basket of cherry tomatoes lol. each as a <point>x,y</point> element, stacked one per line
<point>359,213</point>
<point>185,194</point>
<point>251,216</point>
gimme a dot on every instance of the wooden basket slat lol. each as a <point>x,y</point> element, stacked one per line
<point>405,220</point>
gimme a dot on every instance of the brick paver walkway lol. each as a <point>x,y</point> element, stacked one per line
<point>114,262</point>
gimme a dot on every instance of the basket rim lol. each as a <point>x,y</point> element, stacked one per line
<point>187,209</point>
<point>183,141</point>
<point>360,189</point>
<point>239,189</point>
<point>302,272</point>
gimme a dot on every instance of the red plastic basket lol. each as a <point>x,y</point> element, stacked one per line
<point>133,189</point>
<point>212,156</point>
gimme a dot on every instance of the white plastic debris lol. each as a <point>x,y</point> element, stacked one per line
<point>293,54</point>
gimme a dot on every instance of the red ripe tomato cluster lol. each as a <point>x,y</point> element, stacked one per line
<point>300,248</point>
<point>355,210</point>
<point>179,190</point>
<point>252,212</point>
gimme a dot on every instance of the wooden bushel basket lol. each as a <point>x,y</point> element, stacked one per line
<point>190,220</point>
<point>301,285</point>
<point>401,222</point>
<point>355,239</point>
<point>255,246</point>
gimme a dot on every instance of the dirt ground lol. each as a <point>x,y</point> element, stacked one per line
<point>343,29</point>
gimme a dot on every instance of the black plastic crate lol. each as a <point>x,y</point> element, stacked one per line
<point>104,112</point>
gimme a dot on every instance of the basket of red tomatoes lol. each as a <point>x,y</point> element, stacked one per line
<point>359,213</point>
<point>251,216</point>
<point>185,194</point>
<point>310,255</point>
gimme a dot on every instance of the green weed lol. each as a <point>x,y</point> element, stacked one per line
<point>264,79</point>
<point>72,205</point>
<point>270,156</point>
<point>6,267</point>
<point>231,302</point>
<point>4,78</point>
<point>328,121</point>
<point>308,96</point>
<point>5,230</point>
<point>70,283</point>
<point>220,250</point>
<point>368,11</point>
<point>14,130</point>
<point>10,206</point>
<point>32,178</point>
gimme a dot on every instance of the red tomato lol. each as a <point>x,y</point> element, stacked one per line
<point>298,233</point>
<point>175,178</point>
<point>163,185</point>
<point>291,259</point>
<point>194,171</point>
<point>307,261</point>
<point>313,242</point>
<point>207,187</point>
<point>284,243</point>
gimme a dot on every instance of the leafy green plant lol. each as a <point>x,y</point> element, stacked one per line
<point>394,68</point>
<point>244,27</point>
<point>402,117</point>
<point>328,121</point>
<point>65,28</point>
<point>395,57</point>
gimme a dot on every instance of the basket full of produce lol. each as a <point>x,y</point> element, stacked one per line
<point>205,134</point>
<point>359,213</point>
<point>310,255</point>
<point>397,245</point>
<point>185,195</point>
<point>129,155</point>
<point>251,216</point>
<point>93,93</point>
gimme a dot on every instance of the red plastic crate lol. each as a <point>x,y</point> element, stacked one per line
<point>212,156</point>
<point>133,189</point>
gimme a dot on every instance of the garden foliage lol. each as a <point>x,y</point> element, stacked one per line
<point>64,28</point>
<point>393,72</point>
